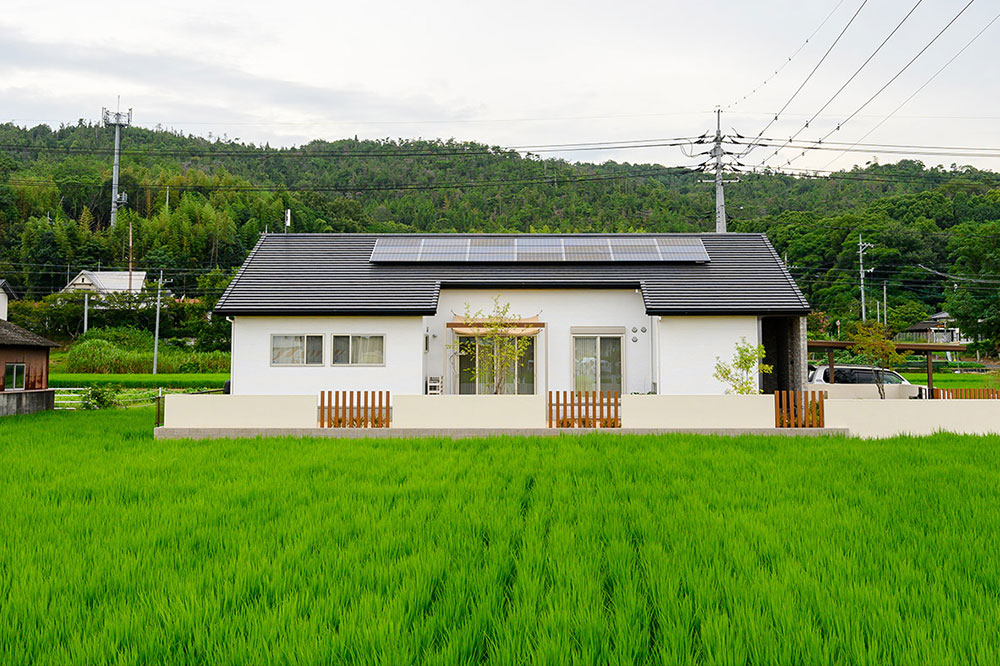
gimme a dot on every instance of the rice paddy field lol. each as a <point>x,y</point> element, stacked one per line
<point>598,549</point>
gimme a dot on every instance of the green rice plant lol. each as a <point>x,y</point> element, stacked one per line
<point>147,380</point>
<point>603,548</point>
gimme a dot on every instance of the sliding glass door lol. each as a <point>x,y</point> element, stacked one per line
<point>475,376</point>
<point>597,363</point>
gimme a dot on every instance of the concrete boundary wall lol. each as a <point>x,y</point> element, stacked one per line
<point>469,411</point>
<point>479,416</point>
<point>889,418</point>
<point>698,411</point>
<point>240,411</point>
<point>865,391</point>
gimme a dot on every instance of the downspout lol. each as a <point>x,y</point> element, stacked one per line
<point>232,353</point>
<point>653,360</point>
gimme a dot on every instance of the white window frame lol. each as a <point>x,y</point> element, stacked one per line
<point>458,372</point>
<point>350,350</point>
<point>581,332</point>
<point>305,355</point>
<point>24,372</point>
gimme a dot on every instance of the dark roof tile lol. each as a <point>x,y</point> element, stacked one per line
<point>304,274</point>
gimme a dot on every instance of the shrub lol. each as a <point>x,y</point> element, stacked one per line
<point>100,397</point>
<point>125,337</point>
<point>101,356</point>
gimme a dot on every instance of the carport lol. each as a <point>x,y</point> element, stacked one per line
<point>925,348</point>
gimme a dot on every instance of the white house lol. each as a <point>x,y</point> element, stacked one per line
<point>634,313</point>
<point>106,282</point>
<point>6,295</point>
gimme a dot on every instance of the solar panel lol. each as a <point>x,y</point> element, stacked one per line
<point>538,249</point>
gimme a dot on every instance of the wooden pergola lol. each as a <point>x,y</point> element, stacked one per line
<point>925,348</point>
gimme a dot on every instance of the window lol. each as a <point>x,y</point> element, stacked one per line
<point>296,350</point>
<point>13,377</point>
<point>597,363</point>
<point>519,380</point>
<point>359,350</point>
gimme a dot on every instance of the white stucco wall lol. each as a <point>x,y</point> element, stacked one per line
<point>253,374</point>
<point>3,305</point>
<point>561,310</point>
<point>689,347</point>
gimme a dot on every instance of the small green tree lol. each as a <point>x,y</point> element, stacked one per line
<point>740,376</point>
<point>875,347</point>
<point>497,351</point>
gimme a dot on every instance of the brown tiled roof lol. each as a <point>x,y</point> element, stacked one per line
<point>12,335</point>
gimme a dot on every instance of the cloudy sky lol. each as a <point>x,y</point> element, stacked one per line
<point>512,73</point>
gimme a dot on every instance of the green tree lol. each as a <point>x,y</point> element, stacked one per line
<point>740,375</point>
<point>497,350</point>
<point>873,344</point>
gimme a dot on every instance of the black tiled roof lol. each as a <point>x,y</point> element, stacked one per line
<point>327,274</point>
<point>12,335</point>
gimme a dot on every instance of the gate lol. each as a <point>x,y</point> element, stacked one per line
<point>799,409</point>
<point>354,409</point>
<point>584,409</point>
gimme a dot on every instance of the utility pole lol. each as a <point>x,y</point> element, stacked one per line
<point>862,246</point>
<point>168,200</point>
<point>885,306</point>
<point>288,219</point>
<point>86,308</point>
<point>720,195</point>
<point>156,333</point>
<point>118,120</point>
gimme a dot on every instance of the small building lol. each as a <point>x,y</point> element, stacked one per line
<point>939,328</point>
<point>6,295</point>
<point>633,313</point>
<point>24,358</point>
<point>102,283</point>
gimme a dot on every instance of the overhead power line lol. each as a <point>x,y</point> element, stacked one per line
<point>846,83</point>
<point>262,153</point>
<point>787,60</point>
<point>890,81</point>
<point>917,91</point>
<point>545,180</point>
<point>806,80</point>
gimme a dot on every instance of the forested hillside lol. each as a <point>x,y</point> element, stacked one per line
<point>55,190</point>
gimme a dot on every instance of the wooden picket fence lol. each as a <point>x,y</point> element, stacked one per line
<point>354,409</point>
<point>799,409</point>
<point>966,394</point>
<point>584,409</point>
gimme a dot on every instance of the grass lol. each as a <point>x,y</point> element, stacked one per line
<point>597,549</point>
<point>176,380</point>
<point>951,380</point>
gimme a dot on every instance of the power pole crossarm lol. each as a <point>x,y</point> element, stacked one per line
<point>720,194</point>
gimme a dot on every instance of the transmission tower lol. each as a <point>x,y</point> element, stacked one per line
<point>118,120</point>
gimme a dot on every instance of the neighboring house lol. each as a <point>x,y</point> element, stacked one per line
<point>6,295</point>
<point>24,358</point>
<point>940,327</point>
<point>635,313</point>
<point>103,283</point>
